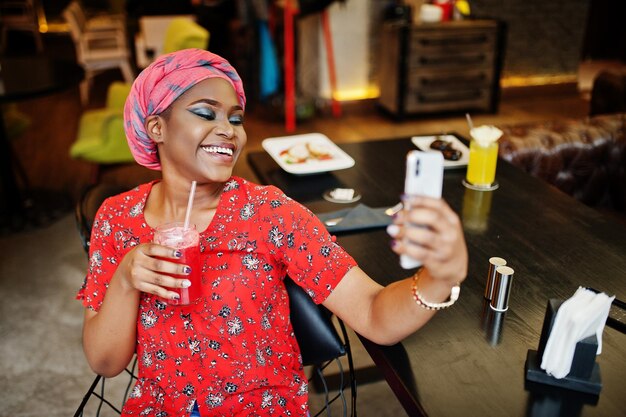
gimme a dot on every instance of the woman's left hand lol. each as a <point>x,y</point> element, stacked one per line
<point>428,230</point>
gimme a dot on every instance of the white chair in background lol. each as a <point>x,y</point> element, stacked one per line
<point>99,46</point>
<point>151,37</point>
<point>20,15</point>
<point>99,21</point>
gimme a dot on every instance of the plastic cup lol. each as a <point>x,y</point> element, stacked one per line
<point>187,241</point>
<point>481,167</point>
<point>483,158</point>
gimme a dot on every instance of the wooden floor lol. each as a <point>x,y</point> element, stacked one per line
<point>43,148</point>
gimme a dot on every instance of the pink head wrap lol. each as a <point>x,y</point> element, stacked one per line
<point>162,82</point>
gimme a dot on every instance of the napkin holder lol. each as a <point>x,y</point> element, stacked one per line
<point>584,375</point>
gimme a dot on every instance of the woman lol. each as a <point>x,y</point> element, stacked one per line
<point>233,351</point>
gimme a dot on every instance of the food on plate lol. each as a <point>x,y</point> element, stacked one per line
<point>296,154</point>
<point>451,154</point>
<point>319,150</point>
<point>305,151</point>
<point>440,145</point>
<point>446,148</point>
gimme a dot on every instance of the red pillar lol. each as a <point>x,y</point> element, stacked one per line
<point>290,79</point>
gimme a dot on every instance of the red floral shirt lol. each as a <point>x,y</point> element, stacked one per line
<point>233,352</point>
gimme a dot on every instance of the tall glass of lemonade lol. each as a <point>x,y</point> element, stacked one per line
<point>483,158</point>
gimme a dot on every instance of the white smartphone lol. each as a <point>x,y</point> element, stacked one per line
<point>424,176</point>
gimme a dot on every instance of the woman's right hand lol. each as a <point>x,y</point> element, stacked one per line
<point>110,334</point>
<point>431,232</point>
<point>148,268</point>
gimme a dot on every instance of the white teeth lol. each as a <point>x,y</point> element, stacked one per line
<point>218,149</point>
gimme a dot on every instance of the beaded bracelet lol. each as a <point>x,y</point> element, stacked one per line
<point>419,299</point>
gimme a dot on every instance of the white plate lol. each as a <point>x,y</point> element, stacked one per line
<point>423,143</point>
<point>337,158</point>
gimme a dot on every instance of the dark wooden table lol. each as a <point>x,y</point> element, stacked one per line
<point>23,78</point>
<point>469,361</point>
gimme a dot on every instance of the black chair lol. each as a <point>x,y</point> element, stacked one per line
<point>319,341</point>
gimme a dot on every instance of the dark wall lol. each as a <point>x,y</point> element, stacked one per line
<point>605,37</point>
<point>544,37</point>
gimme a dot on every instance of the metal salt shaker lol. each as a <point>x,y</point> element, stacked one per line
<point>494,263</point>
<point>502,288</point>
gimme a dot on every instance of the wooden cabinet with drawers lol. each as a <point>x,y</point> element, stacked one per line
<point>440,67</point>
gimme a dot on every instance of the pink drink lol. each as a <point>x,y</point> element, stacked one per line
<point>187,241</point>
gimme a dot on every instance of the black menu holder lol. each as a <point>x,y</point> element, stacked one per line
<point>584,375</point>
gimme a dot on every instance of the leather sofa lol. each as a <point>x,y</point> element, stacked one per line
<point>584,158</point>
<point>608,94</point>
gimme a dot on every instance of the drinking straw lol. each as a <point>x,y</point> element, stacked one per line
<point>469,121</point>
<point>189,204</point>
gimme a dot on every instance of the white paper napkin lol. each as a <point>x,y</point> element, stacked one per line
<point>581,316</point>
